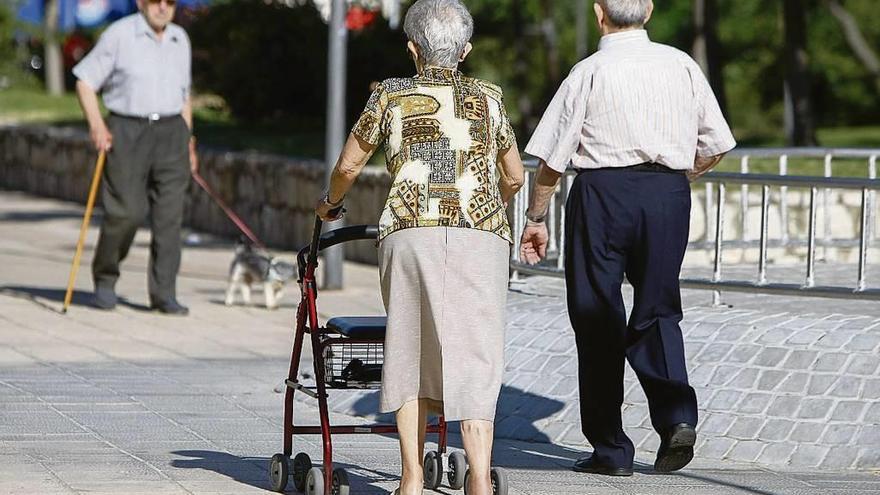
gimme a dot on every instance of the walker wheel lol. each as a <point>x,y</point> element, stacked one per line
<point>278,472</point>
<point>315,482</point>
<point>499,481</point>
<point>457,470</point>
<point>301,465</point>
<point>341,486</point>
<point>432,469</point>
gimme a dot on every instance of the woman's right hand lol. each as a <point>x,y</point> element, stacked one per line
<point>328,212</point>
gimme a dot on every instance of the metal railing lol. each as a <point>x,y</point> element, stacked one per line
<point>716,188</point>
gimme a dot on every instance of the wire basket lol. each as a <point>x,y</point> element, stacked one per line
<point>354,365</point>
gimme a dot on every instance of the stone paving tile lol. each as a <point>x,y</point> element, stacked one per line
<point>131,402</point>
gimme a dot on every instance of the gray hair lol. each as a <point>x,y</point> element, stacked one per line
<point>440,28</point>
<point>626,13</point>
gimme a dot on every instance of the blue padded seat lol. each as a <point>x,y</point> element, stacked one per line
<point>359,327</point>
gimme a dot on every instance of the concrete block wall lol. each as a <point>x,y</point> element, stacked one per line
<point>274,195</point>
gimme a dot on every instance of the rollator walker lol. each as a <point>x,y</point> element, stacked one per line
<point>347,354</point>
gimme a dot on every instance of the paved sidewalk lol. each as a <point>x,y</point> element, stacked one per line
<point>131,402</point>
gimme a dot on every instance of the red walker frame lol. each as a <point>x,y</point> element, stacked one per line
<point>321,337</point>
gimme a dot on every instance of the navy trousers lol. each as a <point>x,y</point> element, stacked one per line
<point>625,222</point>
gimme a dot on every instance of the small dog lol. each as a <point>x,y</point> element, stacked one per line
<point>250,267</point>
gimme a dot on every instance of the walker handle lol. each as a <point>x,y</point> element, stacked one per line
<point>309,254</point>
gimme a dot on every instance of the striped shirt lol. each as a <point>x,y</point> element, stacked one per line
<point>138,73</point>
<point>633,101</point>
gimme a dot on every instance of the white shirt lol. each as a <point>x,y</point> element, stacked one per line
<point>138,73</point>
<point>633,101</point>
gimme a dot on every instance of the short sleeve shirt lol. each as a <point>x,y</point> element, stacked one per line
<point>137,73</point>
<point>633,101</point>
<point>442,133</point>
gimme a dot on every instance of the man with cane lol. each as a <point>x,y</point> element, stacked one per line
<point>141,65</point>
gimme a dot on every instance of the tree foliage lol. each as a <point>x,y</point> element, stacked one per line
<point>269,60</point>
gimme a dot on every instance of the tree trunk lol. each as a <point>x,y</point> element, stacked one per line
<point>707,47</point>
<point>799,124</point>
<point>856,40</point>
<point>52,65</point>
<point>521,73</point>
<point>551,46</point>
<point>582,25</point>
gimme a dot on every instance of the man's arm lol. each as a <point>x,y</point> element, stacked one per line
<point>187,114</point>
<point>533,245</point>
<point>703,164</point>
<point>88,100</point>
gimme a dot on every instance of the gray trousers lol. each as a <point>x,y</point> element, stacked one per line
<point>147,171</point>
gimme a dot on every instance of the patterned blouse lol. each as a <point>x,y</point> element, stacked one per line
<point>442,133</point>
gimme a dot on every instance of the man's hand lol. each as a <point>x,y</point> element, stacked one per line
<point>702,165</point>
<point>193,156</point>
<point>102,140</point>
<point>533,245</point>
<point>325,210</point>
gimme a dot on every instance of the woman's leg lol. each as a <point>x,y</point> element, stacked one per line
<point>477,437</point>
<point>411,421</point>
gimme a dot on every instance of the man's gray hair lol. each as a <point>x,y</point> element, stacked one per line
<point>626,13</point>
<point>440,28</point>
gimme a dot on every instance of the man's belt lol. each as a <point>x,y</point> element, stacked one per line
<point>654,167</point>
<point>641,167</point>
<point>152,118</point>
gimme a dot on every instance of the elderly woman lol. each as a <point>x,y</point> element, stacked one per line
<point>444,237</point>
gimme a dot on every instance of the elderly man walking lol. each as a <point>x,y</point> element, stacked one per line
<point>141,63</point>
<point>636,120</point>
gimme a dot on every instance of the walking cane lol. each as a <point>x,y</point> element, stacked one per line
<point>93,191</point>
<point>229,213</point>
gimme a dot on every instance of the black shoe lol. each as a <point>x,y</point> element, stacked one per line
<point>588,465</point>
<point>105,297</point>
<point>170,307</point>
<point>676,448</point>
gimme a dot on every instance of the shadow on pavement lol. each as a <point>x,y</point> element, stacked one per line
<point>254,471</point>
<point>715,482</point>
<point>42,295</point>
<point>517,411</point>
<point>43,216</point>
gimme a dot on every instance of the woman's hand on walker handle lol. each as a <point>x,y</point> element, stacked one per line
<point>328,212</point>
<point>533,245</point>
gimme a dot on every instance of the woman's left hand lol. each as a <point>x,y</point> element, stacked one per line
<point>328,212</point>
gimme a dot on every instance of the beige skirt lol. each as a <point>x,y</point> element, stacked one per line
<point>445,292</point>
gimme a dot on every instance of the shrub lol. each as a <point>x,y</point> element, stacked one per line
<point>269,61</point>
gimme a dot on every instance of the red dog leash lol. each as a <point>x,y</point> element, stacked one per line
<point>229,213</point>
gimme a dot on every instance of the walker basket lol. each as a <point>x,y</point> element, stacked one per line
<point>353,365</point>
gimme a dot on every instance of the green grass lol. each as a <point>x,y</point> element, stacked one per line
<point>32,106</point>
<point>216,128</point>
<point>851,137</point>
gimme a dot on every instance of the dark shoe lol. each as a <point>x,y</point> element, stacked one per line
<point>676,448</point>
<point>588,465</point>
<point>171,307</point>
<point>105,297</point>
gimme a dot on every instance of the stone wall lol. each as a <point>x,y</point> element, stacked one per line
<point>274,195</point>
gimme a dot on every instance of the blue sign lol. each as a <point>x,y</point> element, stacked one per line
<point>87,13</point>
